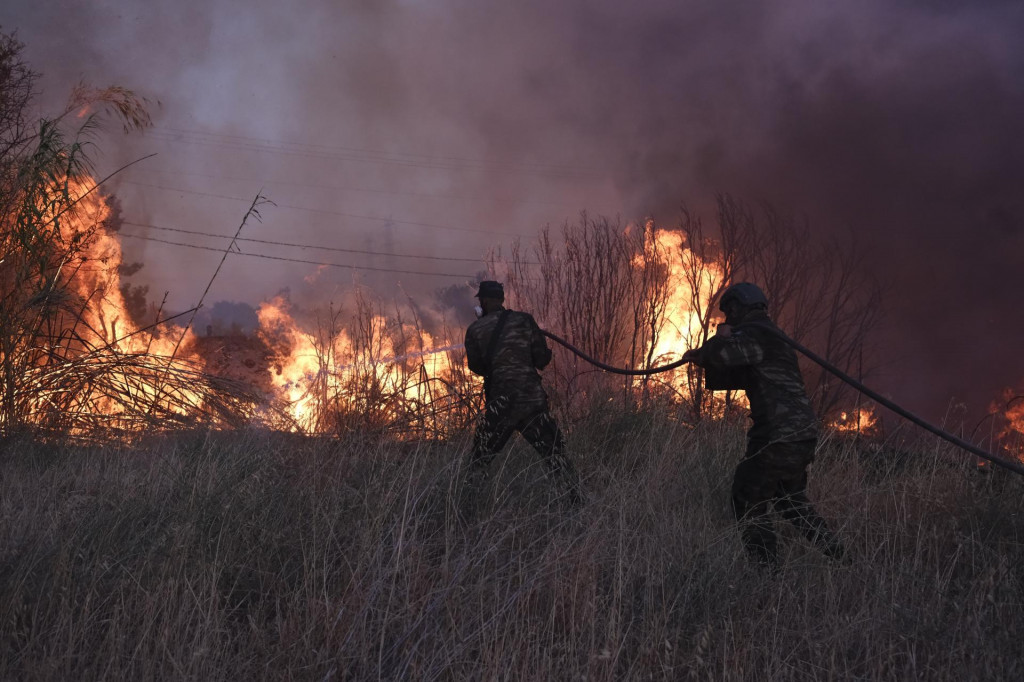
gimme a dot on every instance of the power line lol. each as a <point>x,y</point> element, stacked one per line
<point>299,260</point>
<point>326,211</point>
<point>303,246</point>
<point>314,246</point>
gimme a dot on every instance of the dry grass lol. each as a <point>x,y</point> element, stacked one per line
<point>263,556</point>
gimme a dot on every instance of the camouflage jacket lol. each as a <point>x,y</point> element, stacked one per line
<point>520,352</point>
<point>766,368</point>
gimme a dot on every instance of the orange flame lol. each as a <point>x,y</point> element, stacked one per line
<point>683,327</point>
<point>102,331</point>
<point>382,368</point>
<point>1010,411</point>
<point>861,420</point>
<point>689,319</point>
<point>99,281</point>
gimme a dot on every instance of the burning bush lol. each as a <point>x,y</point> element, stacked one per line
<point>641,295</point>
<point>634,295</point>
<point>72,362</point>
<point>366,372</point>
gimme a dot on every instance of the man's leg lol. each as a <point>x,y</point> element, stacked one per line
<point>490,437</point>
<point>541,431</point>
<point>792,501</point>
<point>752,491</point>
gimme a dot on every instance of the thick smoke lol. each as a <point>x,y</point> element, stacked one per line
<point>898,120</point>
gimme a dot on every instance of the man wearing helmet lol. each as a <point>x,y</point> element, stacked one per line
<point>745,355</point>
<point>506,347</point>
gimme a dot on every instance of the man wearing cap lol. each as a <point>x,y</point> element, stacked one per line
<point>506,348</point>
<point>745,355</point>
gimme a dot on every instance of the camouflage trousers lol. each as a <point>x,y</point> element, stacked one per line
<point>775,475</point>
<point>538,427</point>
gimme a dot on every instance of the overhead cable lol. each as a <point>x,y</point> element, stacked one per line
<point>299,260</point>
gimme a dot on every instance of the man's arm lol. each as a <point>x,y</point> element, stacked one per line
<point>539,351</point>
<point>727,349</point>
<point>734,350</point>
<point>474,356</point>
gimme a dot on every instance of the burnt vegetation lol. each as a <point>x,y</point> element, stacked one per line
<point>167,513</point>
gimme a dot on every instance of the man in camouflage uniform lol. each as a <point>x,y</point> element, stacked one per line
<point>506,347</point>
<point>782,439</point>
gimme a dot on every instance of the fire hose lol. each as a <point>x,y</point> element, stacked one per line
<point>609,368</point>
<point>1016,467</point>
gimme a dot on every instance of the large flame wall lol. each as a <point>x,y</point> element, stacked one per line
<point>367,370</point>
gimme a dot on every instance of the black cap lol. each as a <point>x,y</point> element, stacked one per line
<point>490,289</point>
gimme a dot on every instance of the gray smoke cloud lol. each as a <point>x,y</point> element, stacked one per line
<point>466,122</point>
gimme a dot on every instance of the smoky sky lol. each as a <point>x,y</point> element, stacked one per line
<point>445,127</point>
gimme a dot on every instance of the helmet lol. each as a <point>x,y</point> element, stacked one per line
<point>744,293</point>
